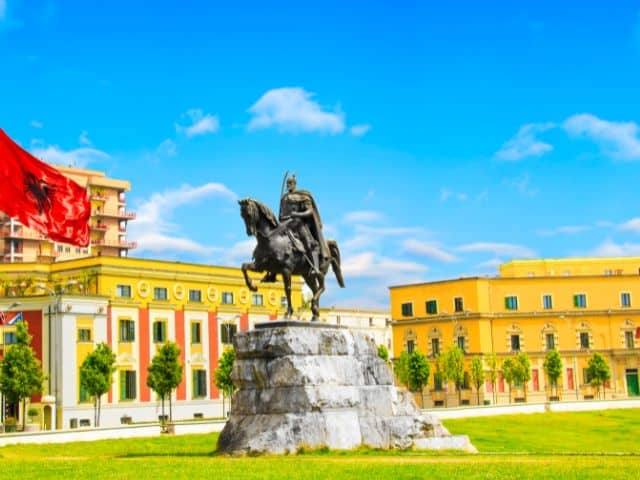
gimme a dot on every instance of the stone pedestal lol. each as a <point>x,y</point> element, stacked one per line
<point>308,385</point>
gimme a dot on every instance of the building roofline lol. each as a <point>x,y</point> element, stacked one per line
<point>434,282</point>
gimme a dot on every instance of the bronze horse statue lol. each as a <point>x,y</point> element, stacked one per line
<point>277,252</point>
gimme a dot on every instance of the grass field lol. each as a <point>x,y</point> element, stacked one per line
<point>586,445</point>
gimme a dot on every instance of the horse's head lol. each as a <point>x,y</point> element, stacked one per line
<point>249,213</point>
<point>258,218</point>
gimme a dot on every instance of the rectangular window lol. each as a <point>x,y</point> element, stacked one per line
<point>227,332</point>
<point>515,343</point>
<point>159,293</point>
<point>435,346</point>
<point>580,300</point>
<point>625,299</point>
<point>257,300</point>
<point>432,307</point>
<point>123,291</point>
<point>628,339</point>
<point>195,332</point>
<point>199,383</point>
<point>159,332</point>
<point>407,309</point>
<point>410,346</point>
<point>511,303</point>
<point>535,380</point>
<point>195,295</point>
<point>127,331</point>
<point>570,378</point>
<point>283,301</point>
<point>461,343</point>
<point>585,376</point>
<point>127,385</point>
<point>227,298</point>
<point>547,302</point>
<point>458,304</point>
<point>551,341</point>
<point>84,334</point>
<point>9,338</point>
<point>584,339</point>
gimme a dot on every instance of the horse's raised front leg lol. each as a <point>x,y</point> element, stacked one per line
<point>315,301</point>
<point>245,268</point>
<point>286,279</point>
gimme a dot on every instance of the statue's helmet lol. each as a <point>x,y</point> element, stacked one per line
<point>292,179</point>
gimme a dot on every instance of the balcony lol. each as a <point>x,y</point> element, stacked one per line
<point>101,242</point>
<point>100,227</point>
<point>98,196</point>
<point>21,233</point>
<point>114,214</point>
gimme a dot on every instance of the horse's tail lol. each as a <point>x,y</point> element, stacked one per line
<point>335,261</point>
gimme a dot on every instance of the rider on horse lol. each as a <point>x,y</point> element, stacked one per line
<point>299,213</point>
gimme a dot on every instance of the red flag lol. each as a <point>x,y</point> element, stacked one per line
<point>41,197</point>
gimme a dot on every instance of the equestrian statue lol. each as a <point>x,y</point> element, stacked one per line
<point>292,244</point>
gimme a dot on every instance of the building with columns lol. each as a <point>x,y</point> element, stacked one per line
<point>133,305</point>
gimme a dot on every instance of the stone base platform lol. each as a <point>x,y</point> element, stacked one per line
<point>309,386</point>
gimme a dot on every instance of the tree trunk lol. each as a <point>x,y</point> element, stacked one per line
<point>170,409</point>
<point>509,393</point>
<point>95,411</point>
<point>24,413</point>
<point>478,394</point>
<point>99,409</point>
<point>422,396</point>
<point>162,400</point>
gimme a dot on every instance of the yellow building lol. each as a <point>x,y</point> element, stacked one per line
<point>577,306</point>
<point>108,223</point>
<point>134,305</point>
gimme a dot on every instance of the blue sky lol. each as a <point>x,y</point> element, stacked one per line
<point>438,140</point>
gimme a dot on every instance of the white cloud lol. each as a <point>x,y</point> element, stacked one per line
<point>608,248</point>
<point>201,124</point>
<point>34,123</point>
<point>492,264</point>
<point>84,139</point>
<point>632,225</point>
<point>525,143</point>
<point>388,231</point>
<point>522,184</point>
<point>564,230</point>
<point>446,194</point>
<point>362,216</point>
<point>152,229</point>
<point>239,252</point>
<point>293,110</point>
<point>167,148</point>
<point>498,249</point>
<point>79,157</point>
<point>618,140</point>
<point>428,250</point>
<point>3,9</point>
<point>372,265</point>
<point>360,130</point>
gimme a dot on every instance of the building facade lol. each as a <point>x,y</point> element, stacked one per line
<point>134,306</point>
<point>108,223</point>
<point>576,306</point>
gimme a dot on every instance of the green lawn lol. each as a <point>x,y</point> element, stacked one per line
<point>553,445</point>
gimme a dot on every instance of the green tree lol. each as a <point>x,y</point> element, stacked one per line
<point>20,371</point>
<point>598,371</point>
<point>477,375</point>
<point>96,376</point>
<point>522,372</point>
<point>454,368</point>
<point>223,380</point>
<point>553,369</point>
<point>492,364</point>
<point>508,373</point>
<point>418,370</point>
<point>383,353</point>
<point>165,373</point>
<point>402,369</point>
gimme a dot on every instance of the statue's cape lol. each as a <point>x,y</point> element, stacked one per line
<point>315,223</point>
